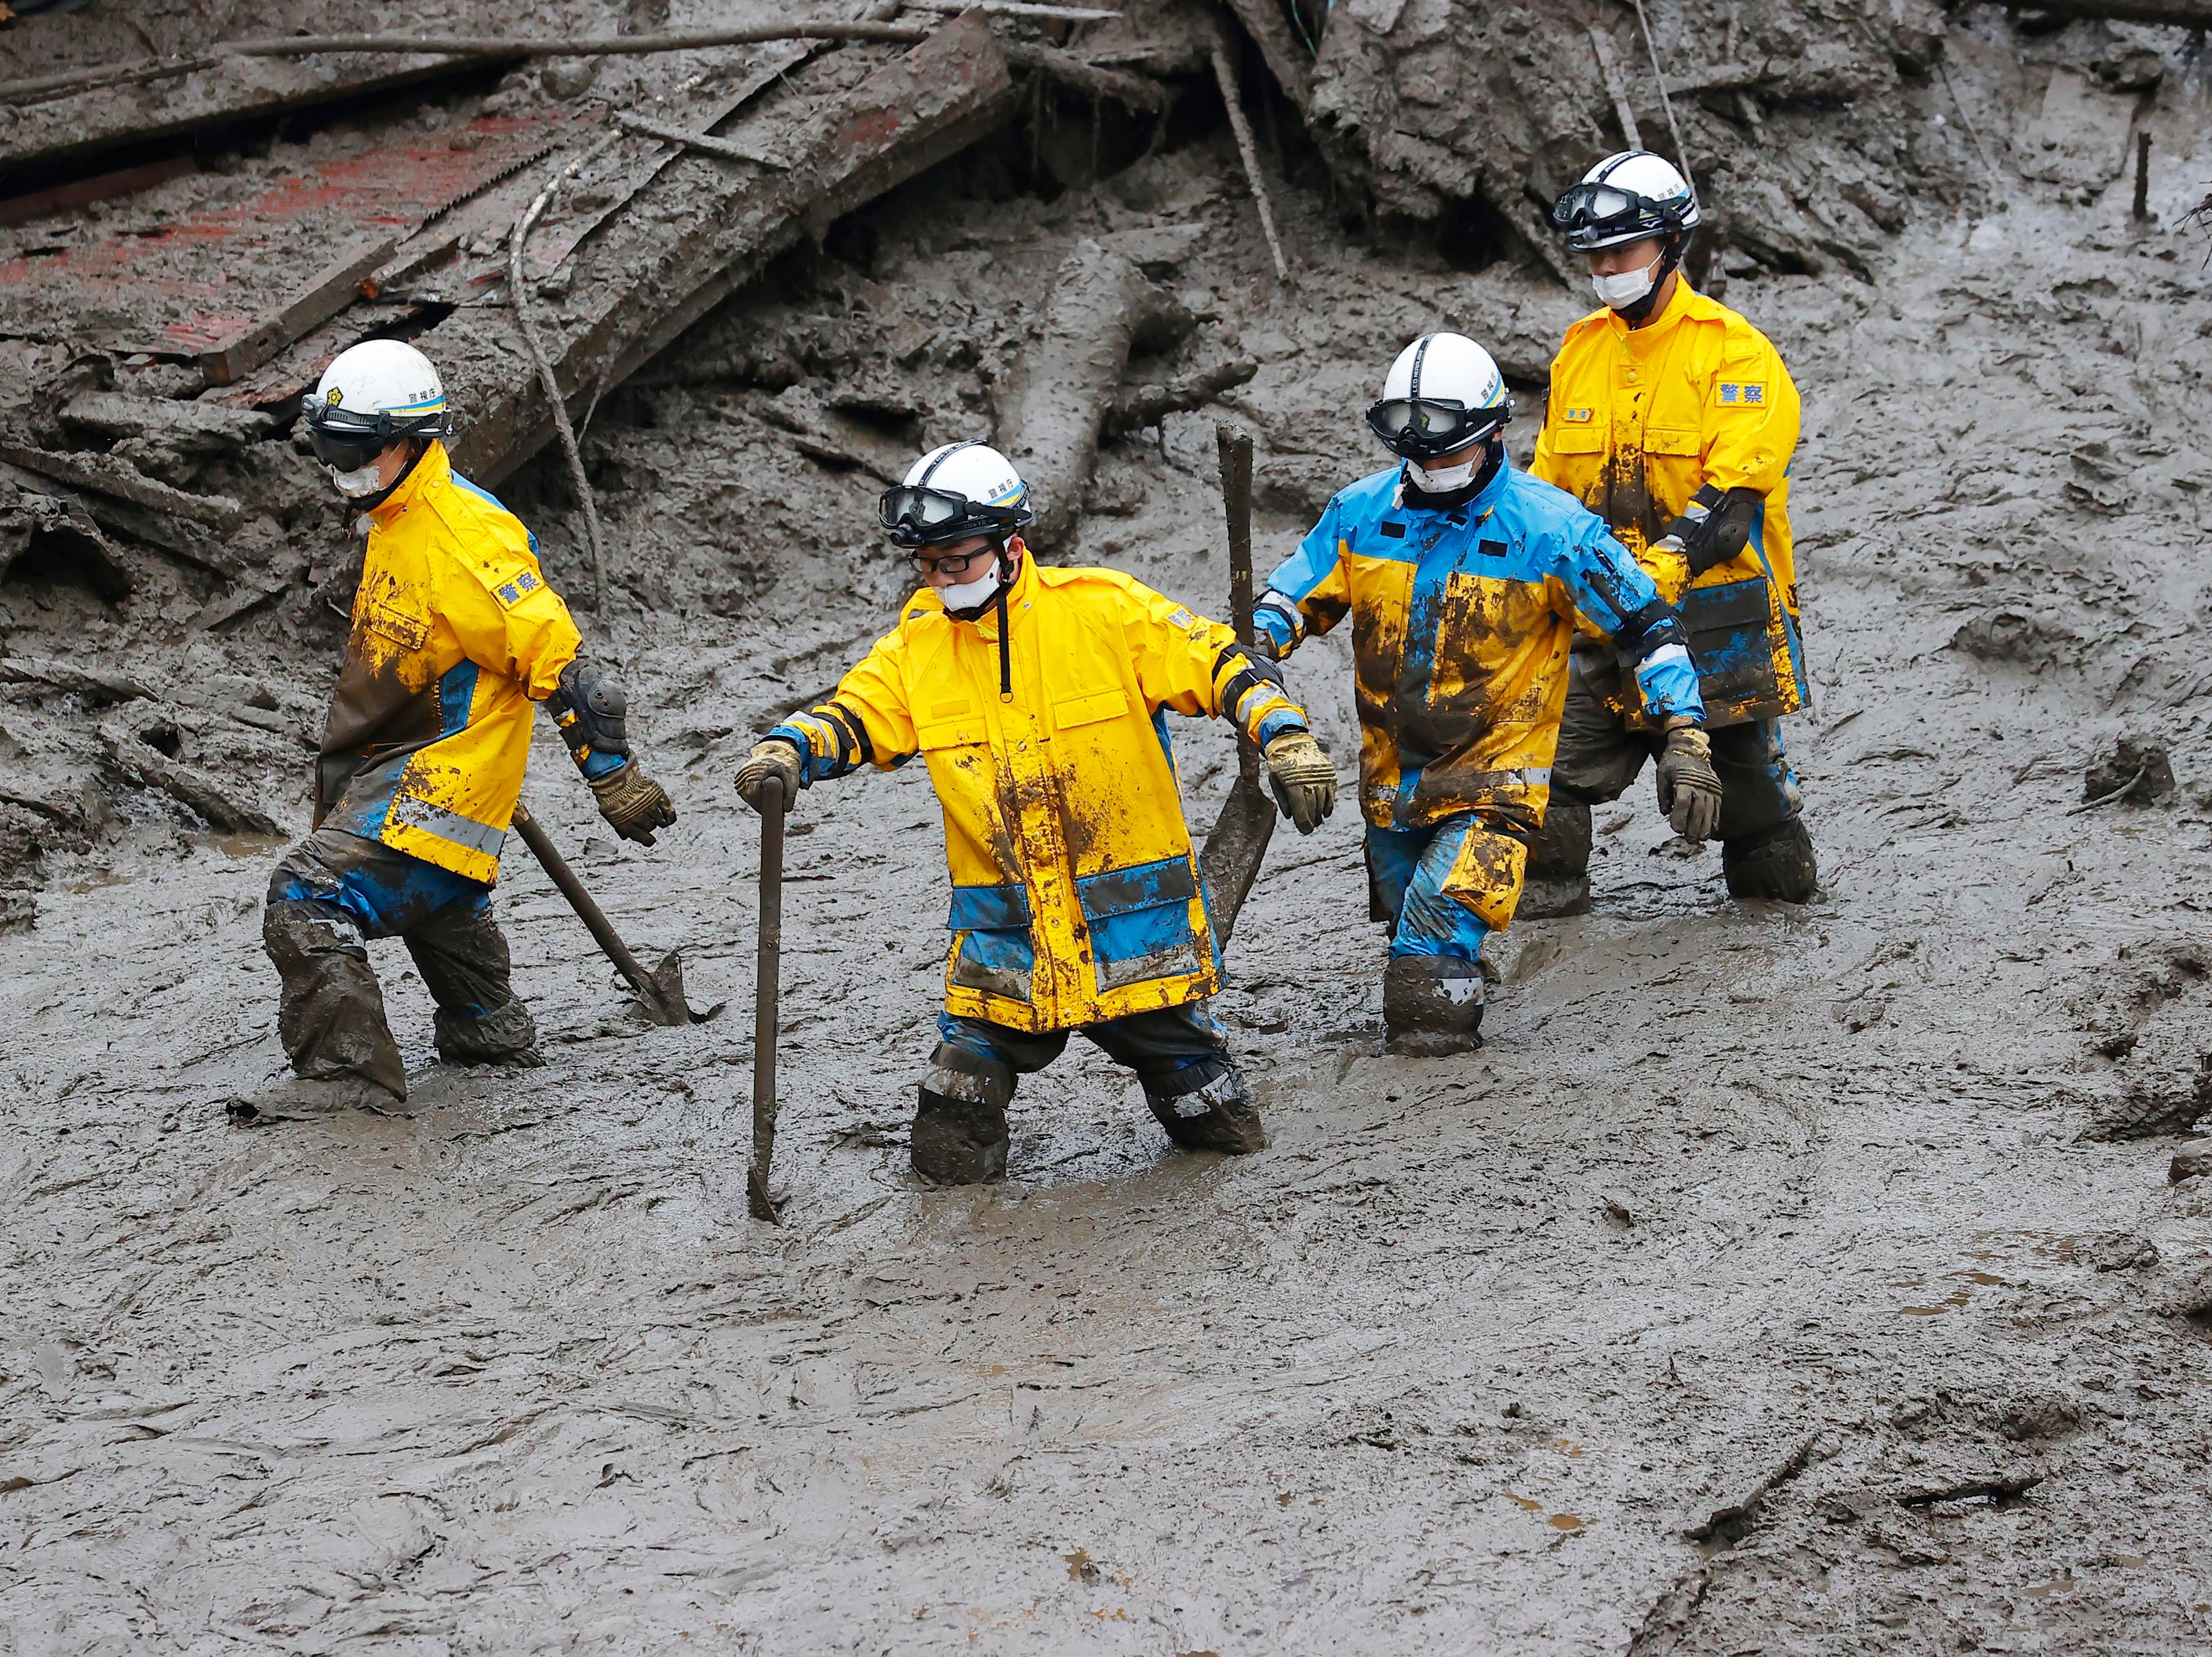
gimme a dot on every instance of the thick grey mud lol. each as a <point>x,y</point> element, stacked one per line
<point>1779,1280</point>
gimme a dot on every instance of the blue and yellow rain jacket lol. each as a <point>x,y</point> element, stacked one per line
<point>455,636</point>
<point>1461,619</point>
<point>1075,893</point>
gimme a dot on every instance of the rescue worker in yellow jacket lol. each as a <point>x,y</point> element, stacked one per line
<point>456,636</point>
<point>1674,420</point>
<point>1465,578</point>
<point>1038,699</point>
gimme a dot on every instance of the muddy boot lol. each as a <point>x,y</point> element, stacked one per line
<point>507,1036</point>
<point>303,1098</point>
<point>1557,882</point>
<point>1431,1005</point>
<point>1209,1110</point>
<point>960,1122</point>
<point>1776,863</point>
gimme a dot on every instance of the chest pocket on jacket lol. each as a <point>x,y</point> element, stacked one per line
<point>1582,438</point>
<point>1493,635</point>
<point>1090,708</point>
<point>1683,441</point>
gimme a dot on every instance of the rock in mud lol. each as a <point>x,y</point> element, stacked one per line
<point>2138,770</point>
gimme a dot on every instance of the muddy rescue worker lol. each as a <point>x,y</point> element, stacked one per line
<point>1672,419</point>
<point>456,636</point>
<point>1037,699</point>
<point>1465,580</point>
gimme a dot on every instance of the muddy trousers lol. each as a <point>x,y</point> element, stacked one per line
<point>1191,1084</point>
<point>1442,890</point>
<point>331,893</point>
<point>1765,852</point>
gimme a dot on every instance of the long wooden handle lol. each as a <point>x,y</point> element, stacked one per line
<point>581,902</point>
<point>767,999</point>
<point>1235,452</point>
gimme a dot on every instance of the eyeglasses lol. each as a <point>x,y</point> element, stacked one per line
<point>952,563</point>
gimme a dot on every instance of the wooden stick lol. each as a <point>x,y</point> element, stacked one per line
<point>768,996</point>
<point>1226,77</point>
<point>604,45</point>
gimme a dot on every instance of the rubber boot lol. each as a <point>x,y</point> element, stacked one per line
<point>1209,1110</point>
<point>1776,864</point>
<point>1557,882</point>
<point>960,1134</point>
<point>505,1036</point>
<point>1431,1005</point>
<point>304,1098</point>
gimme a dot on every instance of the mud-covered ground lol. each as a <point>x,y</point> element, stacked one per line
<point>1773,1282</point>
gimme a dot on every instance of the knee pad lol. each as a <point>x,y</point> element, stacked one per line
<point>1560,850</point>
<point>1776,864</point>
<point>1433,1003</point>
<point>505,1036</point>
<point>1204,1107</point>
<point>960,1135</point>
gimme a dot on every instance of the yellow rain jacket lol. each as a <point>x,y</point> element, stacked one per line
<point>455,635</point>
<point>1075,894</point>
<point>1638,420</point>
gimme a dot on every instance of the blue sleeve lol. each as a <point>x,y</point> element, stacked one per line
<point>1612,593</point>
<point>1308,593</point>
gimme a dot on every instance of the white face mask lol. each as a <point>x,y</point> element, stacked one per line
<point>1623,290</point>
<point>366,480</point>
<point>1442,480</point>
<point>974,593</point>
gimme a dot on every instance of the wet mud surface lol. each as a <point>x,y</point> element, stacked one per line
<point>1778,1280</point>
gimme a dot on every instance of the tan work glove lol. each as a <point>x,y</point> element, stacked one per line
<point>1304,777</point>
<point>1689,787</point>
<point>777,757</point>
<point>632,803</point>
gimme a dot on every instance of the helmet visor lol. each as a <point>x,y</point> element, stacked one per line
<point>1421,428</point>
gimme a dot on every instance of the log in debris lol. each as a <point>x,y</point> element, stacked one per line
<point>1068,377</point>
<point>137,743</point>
<point>2179,14</point>
<point>652,276</point>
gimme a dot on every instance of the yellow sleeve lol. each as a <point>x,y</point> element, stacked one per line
<point>505,614</point>
<point>1751,417</point>
<point>1196,667</point>
<point>1544,463</point>
<point>867,721</point>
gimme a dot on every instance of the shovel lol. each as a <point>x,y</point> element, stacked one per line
<point>768,997</point>
<point>660,991</point>
<point>1231,862</point>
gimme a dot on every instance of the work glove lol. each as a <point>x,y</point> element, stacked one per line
<point>1689,787</point>
<point>1304,777</point>
<point>632,803</point>
<point>776,757</point>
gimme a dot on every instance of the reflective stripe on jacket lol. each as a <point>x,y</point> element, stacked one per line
<point>1638,420</point>
<point>455,635</point>
<point>1075,894</point>
<point>1461,624</point>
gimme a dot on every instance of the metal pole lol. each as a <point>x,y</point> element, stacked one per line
<point>767,997</point>
<point>586,910</point>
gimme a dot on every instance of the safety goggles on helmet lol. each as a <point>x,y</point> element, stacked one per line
<point>1423,427</point>
<point>919,515</point>
<point>348,441</point>
<point>1595,215</point>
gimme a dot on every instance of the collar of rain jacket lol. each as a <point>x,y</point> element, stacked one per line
<point>434,468</point>
<point>1476,507</point>
<point>1684,300</point>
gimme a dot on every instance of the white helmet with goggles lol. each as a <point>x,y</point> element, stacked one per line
<point>1442,394</point>
<point>371,397</point>
<point>955,492</point>
<point>1633,196</point>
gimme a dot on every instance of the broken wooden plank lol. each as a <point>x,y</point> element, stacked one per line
<point>705,143</point>
<point>651,276</point>
<point>93,683</point>
<point>321,297</point>
<point>1616,86</point>
<point>2177,14</point>
<point>121,414</point>
<point>176,536</point>
<point>599,45</point>
<point>105,475</point>
<point>105,186</point>
<point>1285,56</point>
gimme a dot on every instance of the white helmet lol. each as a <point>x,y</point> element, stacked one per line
<point>370,396</point>
<point>1635,196</point>
<point>1442,395</point>
<point>956,491</point>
